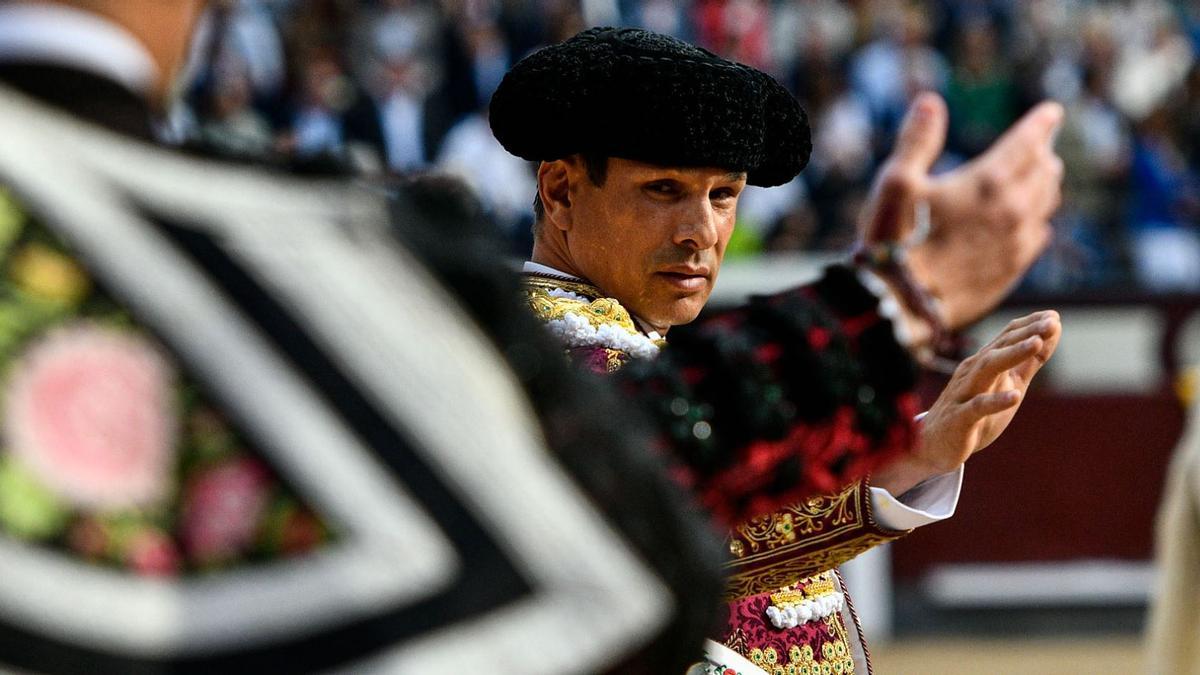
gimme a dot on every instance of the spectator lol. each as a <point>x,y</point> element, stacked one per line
<point>503,182</point>
<point>316,123</point>
<point>980,94</point>
<point>397,85</point>
<point>1163,210</point>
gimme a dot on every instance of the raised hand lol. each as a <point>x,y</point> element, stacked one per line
<point>989,219</point>
<point>978,403</point>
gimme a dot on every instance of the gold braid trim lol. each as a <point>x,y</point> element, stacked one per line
<point>598,310</point>
<point>807,589</point>
<point>532,281</point>
<point>544,298</point>
<point>777,550</point>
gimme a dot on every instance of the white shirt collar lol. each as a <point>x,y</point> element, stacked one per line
<point>538,268</point>
<point>65,36</point>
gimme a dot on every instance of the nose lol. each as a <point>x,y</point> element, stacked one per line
<point>698,225</point>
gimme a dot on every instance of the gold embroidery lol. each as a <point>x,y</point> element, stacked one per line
<point>807,589</point>
<point>774,551</point>
<point>787,570</point>
<point>546,284</point>
<point>598,311</point>
<point>834,659</point>
<point>614,359</point>
<point>815,519</point>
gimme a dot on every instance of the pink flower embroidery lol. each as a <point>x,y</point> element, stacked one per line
<point>222,508</point>
<point>89,411</point>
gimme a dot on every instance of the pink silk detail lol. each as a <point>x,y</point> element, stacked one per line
<point>747,629</point>
<point>599,360</point>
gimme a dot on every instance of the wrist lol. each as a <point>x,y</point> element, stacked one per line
<point>922,314</point>
<point>921,266</point>
<point>904,474</point>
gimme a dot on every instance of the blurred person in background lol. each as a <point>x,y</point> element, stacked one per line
<point>1047,49</point>
<point>325,92</point>
<point>1164,208</point>
<point>1147,81</point>
<point>980,92</point>
<point>637,196</point>
<point>737,28</point>
<point>470,151</point>
<point>806,30</point>
<point>252,38</point>
<point>1173,629</point>
<point>394,115</point>
<point>227,118</point>
<point>843,153</point>
<point>1096,148</point>
<point>897,63</point>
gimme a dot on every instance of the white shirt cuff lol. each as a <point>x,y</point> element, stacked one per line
<point>928,502</point>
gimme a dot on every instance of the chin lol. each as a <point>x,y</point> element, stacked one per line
<point>682,312</point>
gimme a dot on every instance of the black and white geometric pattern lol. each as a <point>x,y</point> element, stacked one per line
<point>462,543</point>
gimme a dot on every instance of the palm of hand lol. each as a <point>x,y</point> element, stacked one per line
<point>983,395</point>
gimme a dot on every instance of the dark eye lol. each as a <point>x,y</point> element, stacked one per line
<point>662,187</point>
<point>722,194</point>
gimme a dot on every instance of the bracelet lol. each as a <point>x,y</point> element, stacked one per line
<point>888,260</point>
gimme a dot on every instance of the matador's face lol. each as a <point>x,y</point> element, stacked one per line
<point>653,237</point>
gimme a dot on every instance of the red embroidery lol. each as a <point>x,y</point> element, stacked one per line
<point>819,337</point>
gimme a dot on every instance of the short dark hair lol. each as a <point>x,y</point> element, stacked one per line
<point>597,172</point>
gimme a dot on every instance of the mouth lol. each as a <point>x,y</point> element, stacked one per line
<point>685,278</point>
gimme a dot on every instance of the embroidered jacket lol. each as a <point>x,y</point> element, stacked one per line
<point>765,411</point>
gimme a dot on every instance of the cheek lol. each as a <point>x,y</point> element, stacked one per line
<point>628,231</point>
<point>725,227</point>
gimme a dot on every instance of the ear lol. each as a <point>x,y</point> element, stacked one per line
<point>554,187</point>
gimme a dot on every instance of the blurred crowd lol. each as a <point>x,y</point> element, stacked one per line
<point>403,85</point>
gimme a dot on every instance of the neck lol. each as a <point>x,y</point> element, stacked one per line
<point>554,254</point>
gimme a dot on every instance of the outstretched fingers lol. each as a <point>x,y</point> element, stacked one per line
<point>1038,323</point>
<point>992,402</point>
<point>1050,340</point>
<point>992,362</point>
<point>1041,328</point>
<point>1029,318</point>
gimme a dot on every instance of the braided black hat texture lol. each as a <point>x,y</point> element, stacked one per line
<point>626,92</point>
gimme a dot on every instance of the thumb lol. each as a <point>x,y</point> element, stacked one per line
<point>889,215</point>
<point>922,134</point>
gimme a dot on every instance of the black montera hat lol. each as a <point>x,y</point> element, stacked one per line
<point>626,92</point>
